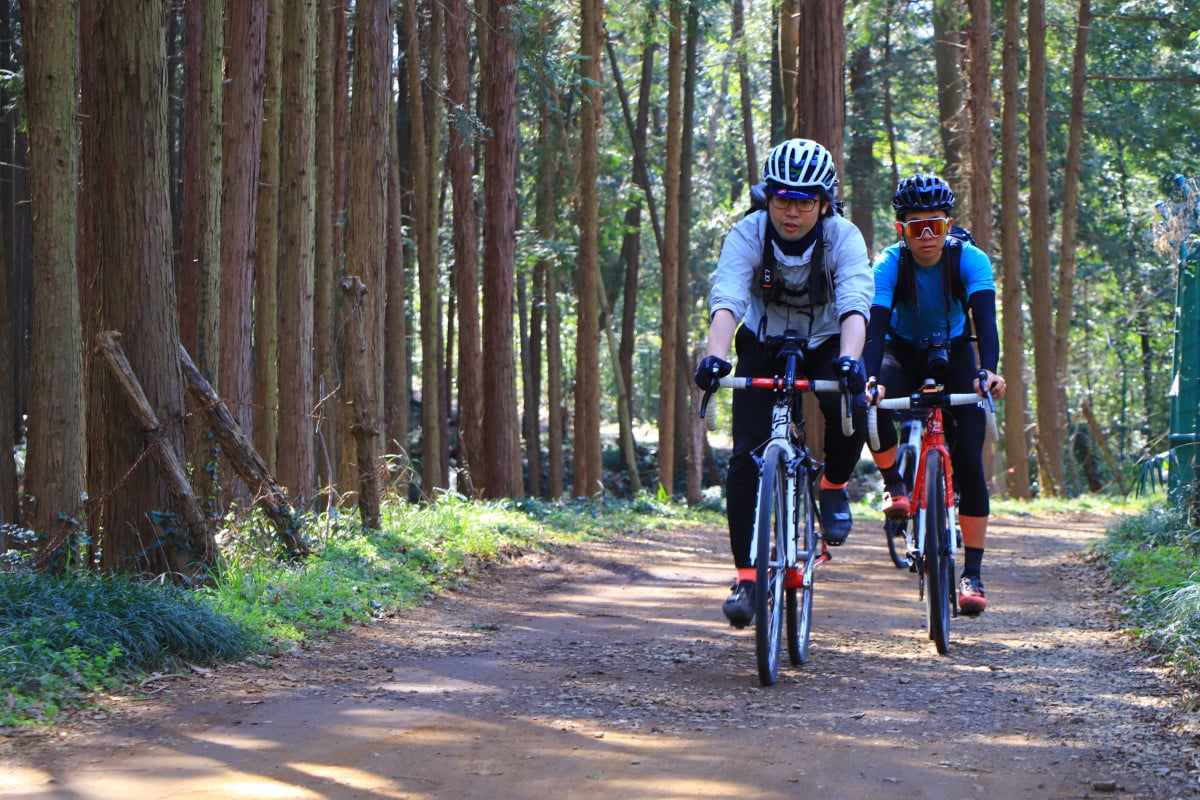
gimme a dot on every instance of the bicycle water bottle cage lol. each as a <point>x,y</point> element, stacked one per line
<point>937,354</point>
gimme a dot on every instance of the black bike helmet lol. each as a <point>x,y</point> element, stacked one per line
<point>922,193</point>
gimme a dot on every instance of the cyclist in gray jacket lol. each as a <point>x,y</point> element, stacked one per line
<point>793,265</point>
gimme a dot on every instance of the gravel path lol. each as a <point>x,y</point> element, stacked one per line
<point>606,670</point>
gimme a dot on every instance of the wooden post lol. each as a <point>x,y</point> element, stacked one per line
<point>362,393</point>
<point>197,524</point>
<point>245,460</point>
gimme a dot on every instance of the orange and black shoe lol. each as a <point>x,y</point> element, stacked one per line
<point>971,599</point>
<point>895,501</point>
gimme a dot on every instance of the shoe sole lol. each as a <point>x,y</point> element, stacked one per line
<point>971,607</point>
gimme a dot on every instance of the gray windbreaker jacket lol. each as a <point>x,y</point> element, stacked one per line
<point>736,280</point>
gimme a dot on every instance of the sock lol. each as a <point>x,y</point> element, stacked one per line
<point>890,474</point>
<point>972,561</point>
<point>827,484</point>
<point>747,573</point>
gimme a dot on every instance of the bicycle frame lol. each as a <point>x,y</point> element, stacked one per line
<point>933,438</point>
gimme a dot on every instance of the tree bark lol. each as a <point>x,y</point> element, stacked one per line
<point>296,255</point>
<point>979,103</point>
<point>1051,478</point>
<point>366,216</point>
<point>953,125</point>
<point>788,43</point>
<point>200,250</point>
<point>266,246</point>
<point>197,531</point>
<point>587,478</point>
<point>502,451</point>
<point>1016,451</point>
<point>56,439</point>
<point>668,360</point>
<point>242,144</point>
<point>125,169</point>
<point>433,470</point>
<point>360,375</point>
<point>738,41</point>
<point>460,158</point>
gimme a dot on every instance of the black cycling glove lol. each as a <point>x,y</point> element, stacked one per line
<point>851,370</point>
<point>711,370</point>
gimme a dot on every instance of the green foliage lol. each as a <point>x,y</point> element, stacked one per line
<point>62,638</point>
<point>1154,559</point>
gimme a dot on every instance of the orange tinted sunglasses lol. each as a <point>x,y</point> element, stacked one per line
<point>923,228</point>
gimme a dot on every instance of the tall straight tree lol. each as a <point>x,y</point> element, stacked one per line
<point>668,365</point>
<point>266,246</point>
<point>1064,308</point>
<point>200,244</point>
<point>1016,452</point>
<point>56,447</point>
<point>424,209</point>
<point>366,214</point>
<point>296,249</point>
<point>745,88</point>
<point>979,103</point>
<point>460,158</point>
<point>948,49</point>
<point>243,117</point>
<point>128,237</point>
<point>502,451</point>
<point>1051,477</point>
<point>587,474</point>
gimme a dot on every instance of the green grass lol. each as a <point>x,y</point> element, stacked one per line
<point>1153,558</point>
<point>63,639</point>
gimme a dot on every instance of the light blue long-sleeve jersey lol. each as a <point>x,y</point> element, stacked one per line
<point>736,280</point>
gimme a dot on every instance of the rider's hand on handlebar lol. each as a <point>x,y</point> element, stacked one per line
<point>851,370</point>
<point>991,382</point>
<point>875,391</point>
<point>710,370</point>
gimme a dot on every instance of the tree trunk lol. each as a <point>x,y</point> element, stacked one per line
<point>948,47</point>
<point>502,451</point>
<point>125,169</point>
<point>669,359</point>
<point>396,373</point>
<point>788,43</point>
<point>433,470</point>
<point>745,94</point>
<point>266,247</point>
<point>56,439</point>
<point>587,478</point>
<point>359,367</point>
<point>366,217</point>
<point>460,158</point>
<point>196,529</point>
<point>1064,310</point>
<point>243,132</point>
<point>1051,479</point>
<point>1016,451</point>
<point>296,234</point>
<point>200,250</point>
<point>861,176</point>
<point>549,145</point>
<point>17,278</point>
<point>979,103</point>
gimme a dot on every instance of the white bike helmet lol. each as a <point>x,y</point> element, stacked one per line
<point>799,168</point>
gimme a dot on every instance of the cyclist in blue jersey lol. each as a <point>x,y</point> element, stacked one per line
<point>795,264</point>
<point>925,285</point>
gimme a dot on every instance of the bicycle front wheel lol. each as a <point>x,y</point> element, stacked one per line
<point>939,561</point>
<point>771,528</point>
<point>800,598</point>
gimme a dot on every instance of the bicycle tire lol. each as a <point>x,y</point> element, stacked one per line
<point>906,460</point>
<point>800,599</point>
<point>939,562</point>
<point>771,528</point>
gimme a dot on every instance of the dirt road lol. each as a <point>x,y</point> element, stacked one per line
<point>607,671</point>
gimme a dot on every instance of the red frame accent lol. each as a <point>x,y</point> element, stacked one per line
<point>933,438</point>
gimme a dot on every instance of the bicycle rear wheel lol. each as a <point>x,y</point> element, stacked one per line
<point>800,598</point>
<point>939,562</point>
<point>771,528</point>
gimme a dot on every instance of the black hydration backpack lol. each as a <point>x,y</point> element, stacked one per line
<point>817,292</point>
